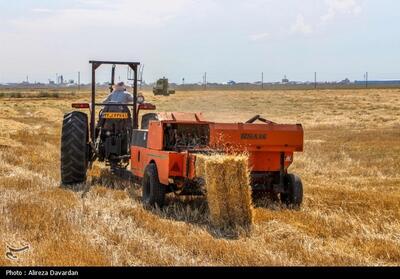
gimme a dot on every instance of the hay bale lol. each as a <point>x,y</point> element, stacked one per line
<point>201,165</point>
<point>239,191</point>
<point>216,193</point>
<point>228,189</point>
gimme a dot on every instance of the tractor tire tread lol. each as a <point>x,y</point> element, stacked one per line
<point>294,196</point>
<point>74,161</point>
<point>153,191</point>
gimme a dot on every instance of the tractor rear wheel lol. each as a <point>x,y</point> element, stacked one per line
<point>153,192</point>
<point>74,149</point>
<point>293,197</point>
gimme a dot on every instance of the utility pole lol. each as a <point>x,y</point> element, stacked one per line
<point>366,80</point>
<point>79,81</point>
<point>205,80</point>
<point>315,80</point>
<point>141,76</point>
<point>262,80</point>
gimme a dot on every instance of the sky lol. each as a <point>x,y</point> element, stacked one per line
<point>228,39</point>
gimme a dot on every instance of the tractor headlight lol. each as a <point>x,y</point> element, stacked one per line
<point>140,99</point>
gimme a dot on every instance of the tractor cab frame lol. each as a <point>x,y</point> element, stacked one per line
<point>107,139</point>
<point>95,65</point>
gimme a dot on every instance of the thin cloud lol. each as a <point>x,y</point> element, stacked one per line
<point>337,7</point>
<point>41,10</point>
<point>119,13</point>
<point>259,36</point>
<point>300,26</point>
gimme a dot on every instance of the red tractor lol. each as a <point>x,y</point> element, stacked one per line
<point>107,138</point>
<point>162,151</point>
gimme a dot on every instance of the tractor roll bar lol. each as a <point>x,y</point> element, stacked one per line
<point>114,62</point>
<point>112,78</point>
<point>95,65</point>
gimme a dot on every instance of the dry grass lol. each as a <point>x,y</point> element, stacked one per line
<point>350,171</point>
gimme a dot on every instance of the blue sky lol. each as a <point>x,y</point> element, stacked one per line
<point>230,39</point>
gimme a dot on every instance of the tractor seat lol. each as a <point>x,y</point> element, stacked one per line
<point>118,124</point>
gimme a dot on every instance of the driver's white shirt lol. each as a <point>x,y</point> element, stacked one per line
<point>119,97</point>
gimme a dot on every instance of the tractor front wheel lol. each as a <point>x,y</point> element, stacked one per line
<point>74,149</point>
<point>293,196</point>
<point>153,192</point>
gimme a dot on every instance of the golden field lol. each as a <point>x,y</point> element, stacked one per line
<point>350,169</point>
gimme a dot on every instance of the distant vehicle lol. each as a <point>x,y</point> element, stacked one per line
<point>162,87</point>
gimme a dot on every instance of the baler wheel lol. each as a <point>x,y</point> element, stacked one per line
<point>74,149</point>
<point>153,192</point>
<point>293,197</point>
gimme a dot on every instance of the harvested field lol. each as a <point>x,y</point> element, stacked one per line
<point>350,170</point>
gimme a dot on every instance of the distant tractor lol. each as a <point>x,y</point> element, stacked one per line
<point>162,87</point>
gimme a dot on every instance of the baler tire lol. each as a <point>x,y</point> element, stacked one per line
<point>153,192</point>
<point>293,197</point>
<point>74,149</point>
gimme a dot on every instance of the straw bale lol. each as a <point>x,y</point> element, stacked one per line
<point>228,189</point>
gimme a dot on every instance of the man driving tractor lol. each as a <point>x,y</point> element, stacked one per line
<point>119,95</point>
<point>113,128</point>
